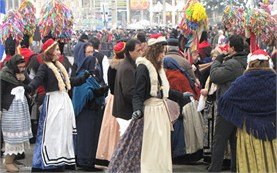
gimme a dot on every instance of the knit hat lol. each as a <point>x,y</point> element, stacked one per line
<point>172,42</point>
<point>258,55</point>
<point>83,37</point>
<point>156,38</point>
<point>48,45</point>
<point>119,47</point>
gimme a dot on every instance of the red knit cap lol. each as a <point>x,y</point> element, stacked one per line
<point>48,45</point>
<point>119,47</point>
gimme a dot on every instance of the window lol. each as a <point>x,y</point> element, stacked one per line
<point>16,4</point>
<point>10,5</point>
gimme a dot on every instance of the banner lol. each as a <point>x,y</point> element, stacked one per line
<point>139,4</point>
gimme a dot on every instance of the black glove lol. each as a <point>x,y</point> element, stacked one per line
<point>27,89</point>
<point>187,95</point>
<point>99,92</point>
<point>86,74</point>
<point>137,115</point>
<point>220,57</point>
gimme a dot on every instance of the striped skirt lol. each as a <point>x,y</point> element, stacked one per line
<point>16,127</point>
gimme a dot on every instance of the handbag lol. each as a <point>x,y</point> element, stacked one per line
<point>173,110</point>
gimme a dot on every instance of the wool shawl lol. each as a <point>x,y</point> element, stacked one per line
<point>84,94</point>
<point>8,73</point>
<point>170,63</point>
<point>251,101</point>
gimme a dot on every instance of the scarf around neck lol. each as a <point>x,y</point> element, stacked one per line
<point>251,101</point>
<point>55,67</point>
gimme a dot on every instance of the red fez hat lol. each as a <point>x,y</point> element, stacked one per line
<point>119,47</point>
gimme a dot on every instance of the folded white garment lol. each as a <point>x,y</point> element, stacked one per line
<point>18,92</point>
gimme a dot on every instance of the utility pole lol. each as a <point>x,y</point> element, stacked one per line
<point>104,16</point>
<point>114,12</point>
<point>164,12</point>
<point>128,11</point>
<point>173,13</point>
<point>151,11</point>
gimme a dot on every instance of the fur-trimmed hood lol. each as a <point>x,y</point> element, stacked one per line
<point>114,63</point>
<point>154,81</point>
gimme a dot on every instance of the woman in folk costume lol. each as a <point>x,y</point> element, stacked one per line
<point>179,80</point>
<point>88,102</point>
<point>16,123</point>
<point>152,88</point>
<point>109,134</point>
<point>145,146</point>
<point>250,104</point>
<point>54,145</point>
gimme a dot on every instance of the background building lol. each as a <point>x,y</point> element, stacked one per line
<point>99,14</point>
<point>12,4</point>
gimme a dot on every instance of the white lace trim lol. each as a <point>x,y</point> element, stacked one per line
<point>16,148</point>
<point>17,134</point>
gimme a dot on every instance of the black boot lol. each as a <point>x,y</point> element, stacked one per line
<point>20,156</point>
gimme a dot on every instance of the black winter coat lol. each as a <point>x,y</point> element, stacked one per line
<point>6,88</point>
<point>223,74</point>
<point>111,79</point>
<point>124,89</point>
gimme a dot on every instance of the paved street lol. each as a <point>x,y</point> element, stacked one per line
<point>25,165</point>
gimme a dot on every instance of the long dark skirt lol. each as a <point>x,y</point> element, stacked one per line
<point>88,124</point>
<point>178,145</point>
<point>126,157</point>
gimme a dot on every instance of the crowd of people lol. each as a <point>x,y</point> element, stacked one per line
<point>143,109</point>
<point>136,100</point>
<point>139,100</point>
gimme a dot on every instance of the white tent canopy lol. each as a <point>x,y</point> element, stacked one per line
<point>135,26</point>
<point>157,8</point>
<point>168,7</point>
<point>144,22</point>
<point>180,5</point>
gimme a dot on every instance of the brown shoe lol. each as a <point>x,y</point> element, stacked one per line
<point>10,167</point>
